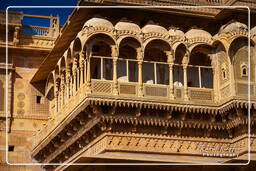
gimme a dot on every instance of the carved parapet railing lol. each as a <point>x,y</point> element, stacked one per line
<point>128,88</point>
<point>201,94</point>
<point>102,86</point>
<point>151,90</point>
<point>36,41</point>
<point>35,30</point>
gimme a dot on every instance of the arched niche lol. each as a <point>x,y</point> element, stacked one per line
<point>200,73</point>
<point>127,66</point>
<point>155,67</point>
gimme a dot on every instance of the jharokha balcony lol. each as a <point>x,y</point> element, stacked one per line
<point>127,68</point>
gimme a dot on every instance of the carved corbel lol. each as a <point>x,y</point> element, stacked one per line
<point>183,116</point>
<point>169,114</point>
<point>138,112</point>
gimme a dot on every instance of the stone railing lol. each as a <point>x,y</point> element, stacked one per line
<point>201,94</point>
<point>35,30</point>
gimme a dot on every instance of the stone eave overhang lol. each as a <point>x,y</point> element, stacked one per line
<point>94,100</point>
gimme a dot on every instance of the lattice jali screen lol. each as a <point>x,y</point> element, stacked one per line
<point>101,86</point>
<point>242,89</point>
<point>225,91</point>
<point>156,91</point>
<point>178,93</point>
<point>127,89</point>
<point>200,94</point>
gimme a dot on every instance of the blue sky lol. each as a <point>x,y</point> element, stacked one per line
<point>62,12</point>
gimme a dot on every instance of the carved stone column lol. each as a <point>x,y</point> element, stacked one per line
<point>115,88</point>
<point>77,75</point>
<point>81,69</point>
<point>74,76</point>
<point>185,67</point>
<point>68,79</point>
<point>85,68</point>
<point>57,97</point>
<point>114,54</point>
<point>62,89</point>
<point>140,81</point>
<point>88,79</point>
<point>171,62</point>
<point>140,91</point>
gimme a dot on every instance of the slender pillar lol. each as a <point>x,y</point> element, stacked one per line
<point>140,81</point>
<point>74,76</point>
<point>88,79</point>
<point>68,79</point>
<point>115,90</point>
<point>85,68</point>
<point>62,87</point>
<point>81,65</point>
<point>171,62</point>
<point>77,77</point>
<point>114,54</point>
<point>57,97</point>
<point>140,91</point>
<point>185,67</point>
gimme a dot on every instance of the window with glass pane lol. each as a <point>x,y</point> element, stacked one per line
<point>133,71</point>
<point>162,74</point>
<point>193,77</point>
<point>95,68</point>
<point>107,69</point>
<point>148,73</point>
<point>206,78</point>
<point>121,70</point>
<point>178,76</point>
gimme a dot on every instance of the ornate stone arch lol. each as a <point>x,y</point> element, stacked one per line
<point>122,37</point>
<point>87,36</point>
<point>98,37</point>
<point>203,48</point>
<point>77,47</point>
<point>180,46</point>
<point>160,44</point>
<point>131,42</point>
<point>145,43</point>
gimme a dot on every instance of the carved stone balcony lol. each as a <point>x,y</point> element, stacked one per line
<point>27,36</point>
